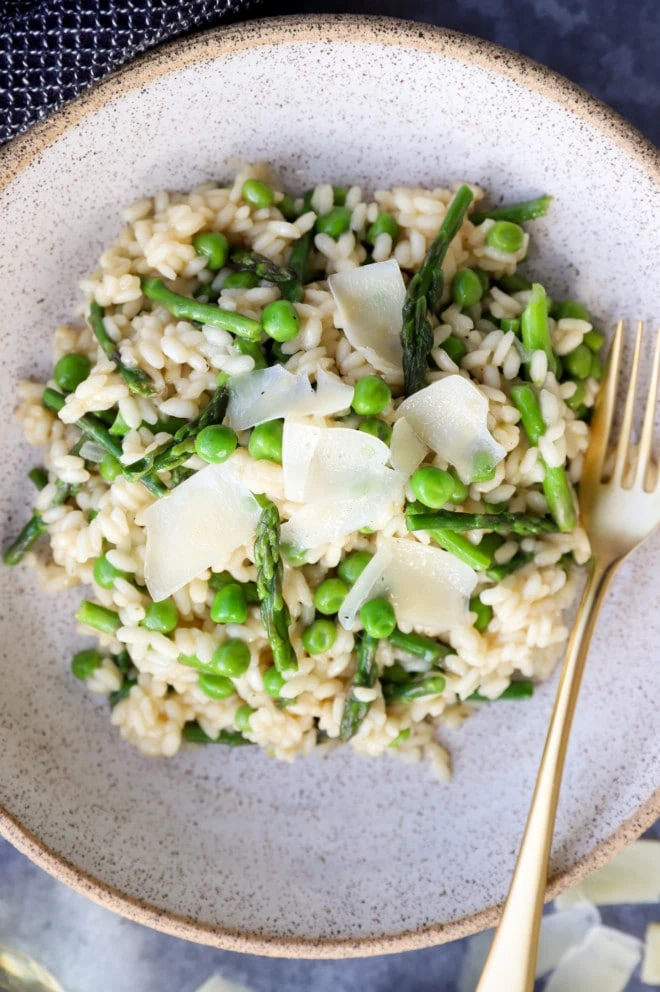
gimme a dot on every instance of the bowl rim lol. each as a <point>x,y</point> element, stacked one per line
<point>211,44</point>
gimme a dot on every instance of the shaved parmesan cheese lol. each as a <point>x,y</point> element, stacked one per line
<point>427,587</point>
<point>370,300</point>
<point>217,984</point>
<point>407,452</point>
<point>198,525</point>
<point>299,441</point>
<point>267,394</point>
<point>632,877</point>
<point>451,417</point>
<point>651,965</point>
<point>603,962</point>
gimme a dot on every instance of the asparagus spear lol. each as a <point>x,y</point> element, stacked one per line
<point>202,313</point>
<point>472,554</point>
<point>514,283</point>
<point>263,268</point>
<point>522,524</point>
<point>425,684</point>
<point>137,380</point>
<point>517,213</point>
<point>366,676</point>
<point>498,572</point>
<point>421,647</point>
<point>534,326</point>
<point>556,486</point>
<point>193,732</point>
<point>516,690</point>
<point>424,293</point>
<point>170,454</point>
<point>299,264</point>
<point>274,611</point>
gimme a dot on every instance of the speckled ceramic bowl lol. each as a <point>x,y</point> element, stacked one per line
<point>339,856</point>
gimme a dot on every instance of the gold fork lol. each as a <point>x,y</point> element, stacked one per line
<point>618,512</point>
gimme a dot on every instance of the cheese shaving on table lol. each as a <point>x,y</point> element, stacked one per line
<point>633,876</point>
<point>370,301</point>
<point>603,962</point>
<point>651,963</point>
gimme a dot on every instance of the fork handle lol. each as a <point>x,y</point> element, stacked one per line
<point>511,962</point>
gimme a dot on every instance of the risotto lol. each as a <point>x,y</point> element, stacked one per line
<point>314,460</point>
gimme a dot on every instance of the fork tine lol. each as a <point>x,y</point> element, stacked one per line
<point>623,446</point>
<point>646,439</point>
<point>601,424</point>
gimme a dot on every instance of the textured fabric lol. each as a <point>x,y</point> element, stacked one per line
<point>51,50</point>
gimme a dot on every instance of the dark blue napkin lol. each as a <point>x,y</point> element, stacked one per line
<point>51,50</point>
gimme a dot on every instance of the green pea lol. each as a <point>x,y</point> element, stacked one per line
<point>295,556</point>
<point>215,443</point>
<point>70,371</point>
<point>432,486</point>
<point>287,207</point>
<point>229,605</point>
<point>483,611</point>
<point>339,194</point>
<point>578,362</point>
<point>161,617</point>
<point>257,194</point>
<point>353,565</point>
<point>455,347</point>
<point>241,280</point>
<point>505,236</point>
<point>466,288</point>
<point>572,309</point>
<point>214,247</point>
<point>510,324</point>
<point>371,395</point>
<point>110,467</point>
<point>232,658</point>
<point>319,636</point>
<point>266,441</point>
<point>280,320</point>
<point>273,682</point>
<point>85,663</point>
<point>378,618</point>
<point>594,340</point>
<point>378,428</point>
<point>483,469</point>
<point>105,574</point>
<point>254,350</point>
<point>119,427</point>
<point>461,491</point>
<point>336,222</point>
<point>215,686</point>
<point>484,279</point>
<point>330,595</point>
<point>575,401</point>
<point>596,369</point>
<point>242,718</point>
<point>384,224</point>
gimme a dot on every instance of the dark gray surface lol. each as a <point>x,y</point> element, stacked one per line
<point>610,48</point>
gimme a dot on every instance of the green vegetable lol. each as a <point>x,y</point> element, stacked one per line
<point>458,545</point>
<point>242,718</point>
<point>259,195</point>
<point>335,223</point>
<point>395,673</point>
<point>254,350</point>
<point>484,279</point>
<point>371,395</point>
<point>466,288</point>
<point>262,267</point>
<point>287,207</point>
<point>555,484</point>
<point>506,237</point>
<point>123,662</point>
<point>461,491</point>
<point>378,618</point>
<point>384,224</point>
<point>161,617</point>
<point>577,399</point>
<point>266,441</point>
<point>231,659</point>
<point>422,647</point>
<point>280,320</point>
<point>514,283</point>
<point>214,247</point>
<point>339,194</point>
<point>596,369</point>
<point>516,690</point>
<point>402,736</point>
<point>120,428</point>
<point>99,617</point>
<point>299,263</point>
<point>274,611</point>
<point>366,676</point>
<point>455,348</point>
<point>353,565</point>
<point>202,313</point>
<point>425,292</point>
<point>273,682</point>
<point>483,611</point>
<point>219,580</point>
<point>85,663</point>
<point>506,523</point>
<point>319,636</point>
<point>136,379</point>
<point>110,468</point>
<point>378,428</point>
<point>432,486</point>
<point>510,324</point>
<point>241,280</point>
<point>425,684</point>
<point>517,213</point>
<point>570,308</point>
<point>122,692</point>
<point>534,325</point>
<point>578,361</point>
<point>70,371</point>
<point>30,533</point>
<point>594,340</point>
<point>498,572</point>
<point>215,686</point>
<point>193,733</point>
<point>38,477</point>
<point>215,443</point>
<point>229,605</point>
<point>330,595</point>
<point>105,574</point>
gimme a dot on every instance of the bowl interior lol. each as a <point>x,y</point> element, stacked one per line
<point>338,848</point>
